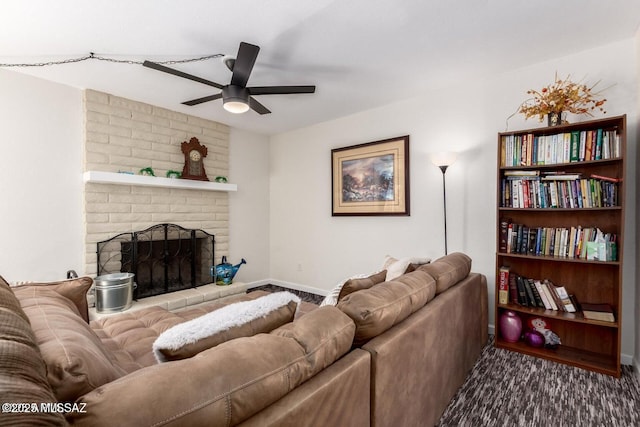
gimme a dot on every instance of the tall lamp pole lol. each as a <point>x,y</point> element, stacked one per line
<point>443,161</point>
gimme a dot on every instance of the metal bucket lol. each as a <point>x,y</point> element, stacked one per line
<point>114,292</point>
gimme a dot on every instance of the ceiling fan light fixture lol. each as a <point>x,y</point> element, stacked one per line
<point>235,99</point>
<point>236,107</point>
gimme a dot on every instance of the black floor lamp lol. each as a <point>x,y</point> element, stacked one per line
<point>443,161</point>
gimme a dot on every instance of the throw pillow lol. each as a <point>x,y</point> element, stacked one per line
<point>397,267</point>
<point>77,361</point>
<point>241,319</point>
<point>332,296</point>
<point>74,289</point>
<point>335,295</point>
<point>354,285</point>
<point>23,374</point>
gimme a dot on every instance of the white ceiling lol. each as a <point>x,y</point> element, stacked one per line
<point>359,53</point>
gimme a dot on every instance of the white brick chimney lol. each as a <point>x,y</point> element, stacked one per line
<point>125,135</point>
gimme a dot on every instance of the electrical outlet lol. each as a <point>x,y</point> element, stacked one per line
<point>299,267</point>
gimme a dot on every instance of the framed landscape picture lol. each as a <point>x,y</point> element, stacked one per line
<point>371,178</point>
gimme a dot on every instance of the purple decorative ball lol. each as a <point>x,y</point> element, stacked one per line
<point>510,326</point>
<point>534,338</point>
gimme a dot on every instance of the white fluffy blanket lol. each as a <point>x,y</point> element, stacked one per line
<point>225,318</point>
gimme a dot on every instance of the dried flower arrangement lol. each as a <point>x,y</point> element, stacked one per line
<point>562,95</point>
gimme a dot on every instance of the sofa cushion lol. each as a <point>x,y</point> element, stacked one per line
<point>354,285</point>
<point>378,308</point>
<point>23,374</point>
<point>241,319</point>
<point>74,289</point>
<point>76,360</point>
<point>130,335</point>
<point>227,383</point>
<point>448,270</point>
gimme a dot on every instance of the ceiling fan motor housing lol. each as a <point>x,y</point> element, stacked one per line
<point>235,98</point>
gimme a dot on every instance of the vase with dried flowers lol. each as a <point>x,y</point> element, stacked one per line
<point>562,96</point>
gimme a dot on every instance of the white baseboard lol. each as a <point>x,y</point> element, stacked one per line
<point>289,285</point>
<point>626,359</point>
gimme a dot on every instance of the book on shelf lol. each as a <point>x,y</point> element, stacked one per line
<point>605,178</point>
<point>563,295</point>
<point>504,234</point>
<point>521,173</point>
<point>554,295</point>
<point>503,286</point>
<point>550,299</point>
<point>568,191</point>
<point>560,176</point>
<point>536,295</point>
<point>577,242</point>
<point>523,299</point>
<point>513,289</point>
<point>602,312</point>
<point>567,147</point>
<point>531,298</point>
<point>529,292</point>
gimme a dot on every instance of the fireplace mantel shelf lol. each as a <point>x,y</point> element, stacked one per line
<point>153,181</point>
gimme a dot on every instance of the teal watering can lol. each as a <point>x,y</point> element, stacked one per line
<point>224,272</point>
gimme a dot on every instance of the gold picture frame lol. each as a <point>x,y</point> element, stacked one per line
<point>371,178</point>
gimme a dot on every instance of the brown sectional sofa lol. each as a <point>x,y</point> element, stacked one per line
<point>389,354</point>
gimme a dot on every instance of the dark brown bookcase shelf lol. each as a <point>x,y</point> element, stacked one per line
<point>588,344</point>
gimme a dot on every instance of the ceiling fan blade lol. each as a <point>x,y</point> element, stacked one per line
<point>257,107</point>
<point>203,99</point>
<point>280,90</point>
<point>247,54</point>
<point>164,69</point>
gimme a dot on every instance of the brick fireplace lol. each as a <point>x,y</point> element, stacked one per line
<point>125,135</point>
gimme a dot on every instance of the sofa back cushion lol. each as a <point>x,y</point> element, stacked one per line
<point>23,374</point>
<point>226,384</point>
<point>378,308</point>
<point>448,270</point>
<point>76,360</point>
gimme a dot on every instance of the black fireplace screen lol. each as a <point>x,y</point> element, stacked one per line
<point>164,258</point>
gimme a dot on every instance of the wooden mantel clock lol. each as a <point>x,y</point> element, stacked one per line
<point>194,154</point>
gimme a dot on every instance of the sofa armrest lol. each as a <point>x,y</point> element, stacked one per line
<point>339,395</point>
<point>428,355</point>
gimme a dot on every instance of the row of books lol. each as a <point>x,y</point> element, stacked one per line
<point>588,243</point>
<point>544,294</point>
<point>559,191</point>
<point>527,292</point>
<point>567,147</point>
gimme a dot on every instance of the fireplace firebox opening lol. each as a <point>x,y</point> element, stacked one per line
<point>164,258</point>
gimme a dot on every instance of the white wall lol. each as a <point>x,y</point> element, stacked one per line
<point>40,178</point>
<point>635,167</point>
<point>312,248</point>
<point>249,206</point>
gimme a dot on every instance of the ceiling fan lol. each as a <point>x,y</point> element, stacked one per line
<point>236,96</point>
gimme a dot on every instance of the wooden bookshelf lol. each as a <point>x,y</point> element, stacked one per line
<point>588,344</point>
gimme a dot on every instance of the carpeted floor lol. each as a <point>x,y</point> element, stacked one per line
<point>304,296</point>
<point>510,389</point>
